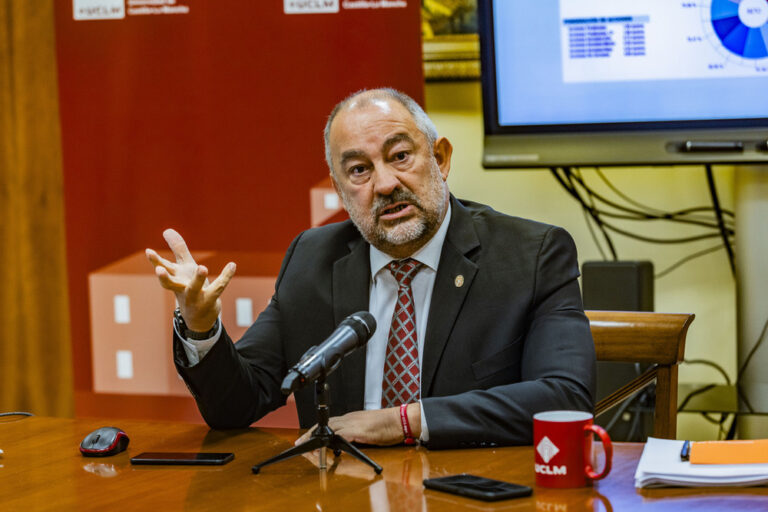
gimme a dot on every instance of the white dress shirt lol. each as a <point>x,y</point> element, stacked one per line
<point>381,304</point>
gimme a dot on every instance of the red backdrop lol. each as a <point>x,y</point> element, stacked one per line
<point>209,122</point>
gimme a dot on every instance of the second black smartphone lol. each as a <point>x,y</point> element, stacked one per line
<point>182,458</point>
<point>478,487</point>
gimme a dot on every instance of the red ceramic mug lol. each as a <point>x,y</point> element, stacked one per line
<point>562,442</point>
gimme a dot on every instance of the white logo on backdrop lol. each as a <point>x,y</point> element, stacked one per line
<point>320,6</point>
<point>98,9</point>
<point>374,4</point>
<point>547,449</point>
<point>310,6</point>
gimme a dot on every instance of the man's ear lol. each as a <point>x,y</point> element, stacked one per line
<point>336,186</point>
<point>442,153</point>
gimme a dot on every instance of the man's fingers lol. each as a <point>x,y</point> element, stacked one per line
<point>221,282</point>
<point>157,260</point>
<point>178,246</point>
<point>305,436</point>
<point>167,281</point>
<point>198,280</point>
<point>338,424</point>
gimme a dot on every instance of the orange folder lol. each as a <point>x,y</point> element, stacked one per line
<point>730,452</point>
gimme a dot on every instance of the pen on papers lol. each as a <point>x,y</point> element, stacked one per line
<point>685,453</point>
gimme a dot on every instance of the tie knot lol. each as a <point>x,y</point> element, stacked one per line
<point>404,270</point>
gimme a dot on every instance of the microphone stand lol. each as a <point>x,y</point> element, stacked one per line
<point>322,437</point>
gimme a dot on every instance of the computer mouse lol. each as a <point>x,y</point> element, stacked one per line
<point>103,442</point>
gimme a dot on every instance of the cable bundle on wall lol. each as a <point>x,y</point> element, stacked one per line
<point>716,222</point>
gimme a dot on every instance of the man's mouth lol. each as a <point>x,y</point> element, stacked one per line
<point>395,211</point>
<point>395,208</point>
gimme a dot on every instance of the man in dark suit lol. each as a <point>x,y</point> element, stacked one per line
<point>495,331</point>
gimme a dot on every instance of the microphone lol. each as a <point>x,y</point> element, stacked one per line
<point>320,360</point>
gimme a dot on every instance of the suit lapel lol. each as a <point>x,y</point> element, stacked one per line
<point>351,290</point>
<point>447,296</point>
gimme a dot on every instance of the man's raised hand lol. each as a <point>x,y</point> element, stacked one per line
<point>198,299</point>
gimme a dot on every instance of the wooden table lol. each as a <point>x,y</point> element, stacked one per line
<point>42,469</point>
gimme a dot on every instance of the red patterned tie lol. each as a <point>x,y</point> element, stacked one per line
<point>401,369</point>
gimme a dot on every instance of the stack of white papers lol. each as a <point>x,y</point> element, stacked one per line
<point>660,466</point>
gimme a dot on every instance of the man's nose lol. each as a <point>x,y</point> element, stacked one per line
<point>385,180</point>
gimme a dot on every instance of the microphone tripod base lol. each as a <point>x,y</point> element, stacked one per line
<point>321,441</point>
<point>323,437</point>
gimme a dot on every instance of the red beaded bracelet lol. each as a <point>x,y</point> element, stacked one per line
<point>407,432</point>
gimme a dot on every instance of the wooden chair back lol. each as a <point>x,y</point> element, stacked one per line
<point>643,337</point>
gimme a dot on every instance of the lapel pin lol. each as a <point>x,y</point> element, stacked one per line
<point>459,281</point>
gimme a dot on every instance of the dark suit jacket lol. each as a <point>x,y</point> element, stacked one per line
<point>511,341</point>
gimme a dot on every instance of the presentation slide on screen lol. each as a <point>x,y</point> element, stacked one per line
<point>608,61</point>
<point>663,39</point>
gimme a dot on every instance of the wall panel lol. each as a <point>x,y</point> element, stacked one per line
<point>35,354</point>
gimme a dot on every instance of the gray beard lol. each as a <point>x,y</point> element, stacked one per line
<point>406,232</point>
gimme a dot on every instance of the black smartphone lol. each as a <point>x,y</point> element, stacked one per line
<point>182,458</point>
<point>477,487</point>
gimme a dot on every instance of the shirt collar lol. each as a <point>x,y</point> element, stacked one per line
<point>429,255</point>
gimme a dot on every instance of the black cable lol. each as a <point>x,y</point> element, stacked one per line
<point>637,403</point>
<point>596,214</point>
<point>640,214</point>
<point>574,193</point>
<point>650,208</point>
<point>621,194</point>
<point>714,365</point>
<point>665,215</point>
<point>712,420</point>
<point>701,220</point>
<point>694,209</point>
<point>686,259</point>
<point>663,218</point>
<point>698,391</point>
<point>587,217</point>
<point>757,344</point>
<point>588,222</point>
<point>660,240</point>
<point>692,394</point>
<point>715,421</point>
<point>719,215</point>
<point>743,397</point>
<point>723,415</point>
<point>16,413</point>
<point>719,422</point>
<point>571,188</point>
<point>740,372</point>
<point>622,408</point>
<point>560,180</point>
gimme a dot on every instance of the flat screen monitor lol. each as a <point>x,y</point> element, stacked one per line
<point>623,82</point>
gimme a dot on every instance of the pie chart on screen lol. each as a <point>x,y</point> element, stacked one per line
<point>742,26</point>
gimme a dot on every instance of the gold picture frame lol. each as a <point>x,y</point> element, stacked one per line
<point>450,45</point>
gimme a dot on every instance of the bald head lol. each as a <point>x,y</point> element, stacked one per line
<point>366,98</point>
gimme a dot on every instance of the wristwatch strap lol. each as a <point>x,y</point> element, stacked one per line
<point>187,333</point>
